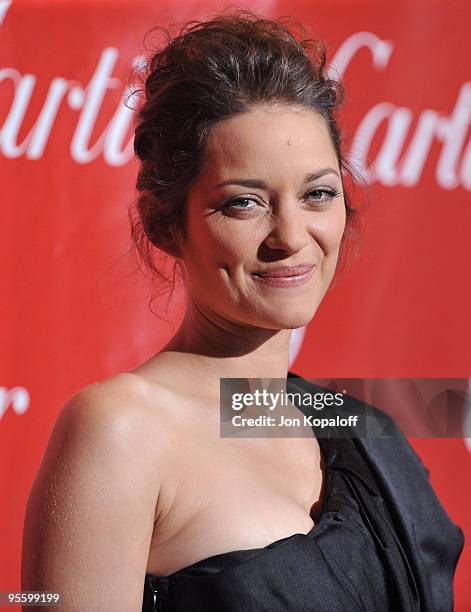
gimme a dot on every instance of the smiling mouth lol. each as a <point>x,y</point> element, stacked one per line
<point>286,277</point>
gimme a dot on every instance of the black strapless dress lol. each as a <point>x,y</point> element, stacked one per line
<point>363,554</point>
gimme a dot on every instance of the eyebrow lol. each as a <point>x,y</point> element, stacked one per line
<point>258,184</point>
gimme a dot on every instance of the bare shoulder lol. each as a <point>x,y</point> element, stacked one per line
<point>122,411</point>
<point>91,511</point>
<point>123,396</point>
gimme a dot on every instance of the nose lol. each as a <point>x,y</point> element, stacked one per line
<point>289,232</point>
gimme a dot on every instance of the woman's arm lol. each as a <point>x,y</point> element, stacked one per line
<point>91,510</point>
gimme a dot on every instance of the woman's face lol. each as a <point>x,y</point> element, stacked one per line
<point>265,219</point>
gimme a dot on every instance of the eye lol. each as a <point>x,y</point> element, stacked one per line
<point>241,203</point>
<point>322,195</point>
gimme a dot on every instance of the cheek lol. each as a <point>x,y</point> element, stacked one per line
<point>329,230</point>
<point>219,245</point>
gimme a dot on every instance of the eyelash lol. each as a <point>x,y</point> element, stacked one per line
<point>328,193</point>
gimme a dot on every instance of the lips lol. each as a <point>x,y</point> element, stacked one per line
<point>285,276</point>
<point>285,271</point>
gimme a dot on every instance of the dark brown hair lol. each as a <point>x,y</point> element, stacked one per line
<point>214,69</point>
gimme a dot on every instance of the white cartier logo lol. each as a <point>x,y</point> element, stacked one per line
<point>400,160</point>
<point>17,398</point>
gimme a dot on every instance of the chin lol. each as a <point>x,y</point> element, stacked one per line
<point>286,318</point>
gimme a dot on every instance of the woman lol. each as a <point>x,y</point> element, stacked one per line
<point>241,182</point>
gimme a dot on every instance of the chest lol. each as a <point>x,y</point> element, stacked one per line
<point>230,494</point>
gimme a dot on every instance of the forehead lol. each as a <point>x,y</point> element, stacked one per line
<point>269,141</point>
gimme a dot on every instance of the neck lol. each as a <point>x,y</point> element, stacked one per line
<point>217,348</point>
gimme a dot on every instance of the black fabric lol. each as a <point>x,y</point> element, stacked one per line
<point>383,542</point>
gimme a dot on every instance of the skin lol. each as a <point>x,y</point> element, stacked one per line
<point>119,492</point>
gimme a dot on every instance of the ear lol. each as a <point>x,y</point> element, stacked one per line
<point>168,241</point>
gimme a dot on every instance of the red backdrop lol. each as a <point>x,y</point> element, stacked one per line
<point>70,312</point>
